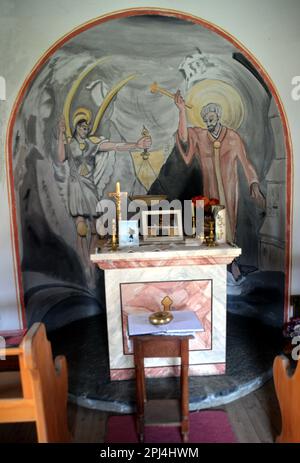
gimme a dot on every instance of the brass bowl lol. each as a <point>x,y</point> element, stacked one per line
<point>161,318</point>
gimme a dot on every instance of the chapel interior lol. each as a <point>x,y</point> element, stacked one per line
<point>148,276</point>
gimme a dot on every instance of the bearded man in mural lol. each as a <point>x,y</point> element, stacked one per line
<point>80,152</point>
<point>218,150</point>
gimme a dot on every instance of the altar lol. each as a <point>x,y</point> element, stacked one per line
<point>192,275</point>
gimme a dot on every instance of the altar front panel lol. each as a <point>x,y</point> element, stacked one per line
<point>198,288</point>
<point>193,295</point>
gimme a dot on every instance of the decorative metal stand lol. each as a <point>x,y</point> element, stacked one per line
<point>210,239</point>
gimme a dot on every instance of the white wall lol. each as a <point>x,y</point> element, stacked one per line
<point>269,29</point>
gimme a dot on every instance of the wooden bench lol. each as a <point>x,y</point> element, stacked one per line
<point>38,391</point>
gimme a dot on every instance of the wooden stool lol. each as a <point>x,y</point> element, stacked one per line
<point>161,412</point>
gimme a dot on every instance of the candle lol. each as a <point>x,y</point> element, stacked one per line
<point>118,188</point>
<point>113,228</point>
<point>193,208</point>
<point>114,244</point>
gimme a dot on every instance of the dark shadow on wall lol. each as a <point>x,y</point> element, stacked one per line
<point>71,309</point>
<point>259,294</point>
<point>177,180</point>
<point>48,257</point>
<point>43,251</point>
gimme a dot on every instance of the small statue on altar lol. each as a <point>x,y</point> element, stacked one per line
<point>219,214</point>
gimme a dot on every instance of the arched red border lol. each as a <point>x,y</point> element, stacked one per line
<point>139,12</point>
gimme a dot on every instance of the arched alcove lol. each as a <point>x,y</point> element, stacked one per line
<point>110,63</point>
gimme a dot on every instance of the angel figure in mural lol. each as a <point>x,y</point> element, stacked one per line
<point>218,149</point>
<point>80,148</point>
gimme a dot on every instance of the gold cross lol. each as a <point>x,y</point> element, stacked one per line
<point>167,302</point>
<point>117,195</point>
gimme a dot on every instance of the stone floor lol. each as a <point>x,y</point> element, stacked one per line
<point>251,348</point>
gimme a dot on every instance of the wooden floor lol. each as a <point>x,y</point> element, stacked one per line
<point>254,418</point>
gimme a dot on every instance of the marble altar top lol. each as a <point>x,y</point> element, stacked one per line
<point>191,252</point>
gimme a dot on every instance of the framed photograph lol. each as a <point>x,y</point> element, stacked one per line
<point>162,225</point>
<point>128,233</point>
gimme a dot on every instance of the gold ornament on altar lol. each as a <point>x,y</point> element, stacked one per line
<point>210,238</point>
<point>163,316</point>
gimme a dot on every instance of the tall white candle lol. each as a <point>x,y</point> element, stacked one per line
<point>193,208</point>
<point>113,228</point>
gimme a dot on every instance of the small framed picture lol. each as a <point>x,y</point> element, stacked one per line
<point>162,225</point>
<point>128,233</point>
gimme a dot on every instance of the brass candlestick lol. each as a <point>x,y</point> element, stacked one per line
<point>211,237</point>
<point>193,226</point>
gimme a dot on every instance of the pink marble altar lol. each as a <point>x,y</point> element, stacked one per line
<point>186,295</point>
<point>136,280</point>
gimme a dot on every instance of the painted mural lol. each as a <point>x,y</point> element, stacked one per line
<point>186,94</point>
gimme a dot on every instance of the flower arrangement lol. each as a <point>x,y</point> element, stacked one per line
<point>207,201</point>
